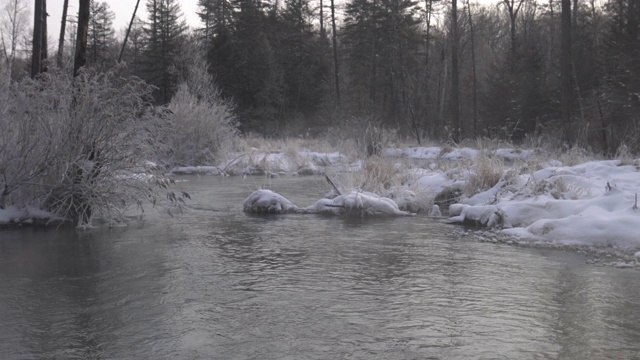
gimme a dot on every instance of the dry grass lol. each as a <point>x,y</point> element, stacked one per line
<point>575,155</point>
<point>624,155</point>
<point>487,172</point>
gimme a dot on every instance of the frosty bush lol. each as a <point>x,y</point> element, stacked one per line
<point>26,140</point>
<point>202,122</point>
<point>75,146</point>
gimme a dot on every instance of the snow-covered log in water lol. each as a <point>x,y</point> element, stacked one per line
<point>354,204</point>
<point>357,204</point>
<point>268,202</point>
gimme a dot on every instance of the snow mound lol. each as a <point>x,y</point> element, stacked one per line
<point>590,204</point>
<point>268,202</point>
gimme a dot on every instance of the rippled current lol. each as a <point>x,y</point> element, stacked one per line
<point>215,283</point>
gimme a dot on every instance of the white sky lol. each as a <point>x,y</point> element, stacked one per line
<point>123,9</point>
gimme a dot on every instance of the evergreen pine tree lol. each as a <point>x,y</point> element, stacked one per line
<point>101,35</point>
<point>164,30</point>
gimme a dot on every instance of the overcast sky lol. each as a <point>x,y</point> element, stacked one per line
<point>123,9</point>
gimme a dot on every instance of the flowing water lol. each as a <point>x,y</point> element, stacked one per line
<point>215,283</point>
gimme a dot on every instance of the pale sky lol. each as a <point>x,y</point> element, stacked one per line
<point>123,9</point>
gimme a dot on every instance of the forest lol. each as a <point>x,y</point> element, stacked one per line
<point>449,70</point>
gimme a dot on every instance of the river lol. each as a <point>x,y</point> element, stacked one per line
<point>214,283</point>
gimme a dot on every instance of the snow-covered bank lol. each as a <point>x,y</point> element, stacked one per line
<point>590,204</point>
<point>27,215</point>
<point>532,198</point>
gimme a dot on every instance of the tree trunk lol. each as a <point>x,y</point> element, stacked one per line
<point>565,69</point>
<point>335,52</point>
<point>321,20</point>
<point>81,42</point>
<point>43,43</point>
<point>126,36</point>
<point>427,77</point>
<point>513,10</point>
<point>36,55</point>
<point>373,87</point>
<point>63,25</point>
<point>475,77</point>
<point>455,74</point>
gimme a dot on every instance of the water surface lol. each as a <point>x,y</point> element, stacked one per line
<point>215,283</point>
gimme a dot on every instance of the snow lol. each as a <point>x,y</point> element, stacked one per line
<point>589,204</point>
<point>25,215</point>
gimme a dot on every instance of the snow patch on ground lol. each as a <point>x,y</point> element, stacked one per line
<point>25,215</point>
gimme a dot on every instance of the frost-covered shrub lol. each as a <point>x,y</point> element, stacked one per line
<point>76,145</point>
<point>23,157</point>
<point>202,123</point>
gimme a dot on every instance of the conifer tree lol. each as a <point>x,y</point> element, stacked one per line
<point>101,35</point>
<point>164,30</point>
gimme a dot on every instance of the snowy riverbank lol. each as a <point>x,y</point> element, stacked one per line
<point>526,195</point>
<point>533,198</point>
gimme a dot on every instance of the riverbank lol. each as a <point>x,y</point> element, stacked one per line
<point>527,194</point>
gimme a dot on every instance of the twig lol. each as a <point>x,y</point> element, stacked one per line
<point>332,184</point>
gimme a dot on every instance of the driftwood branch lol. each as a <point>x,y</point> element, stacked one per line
<point>332,184</point>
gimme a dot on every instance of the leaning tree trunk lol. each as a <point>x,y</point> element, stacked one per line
<point>63,25</point>
<point>126,36</point>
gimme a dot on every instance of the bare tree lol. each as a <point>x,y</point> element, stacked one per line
<point>335,50</point>
<point>513,7</point>
<point>473,67</point>
<point>14,24</point>
<point>455,74</point>
<point>565,67</point>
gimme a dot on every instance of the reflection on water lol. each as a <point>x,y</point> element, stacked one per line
<point>216,283</point>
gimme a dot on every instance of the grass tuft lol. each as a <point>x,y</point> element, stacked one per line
<point>488,171</point>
